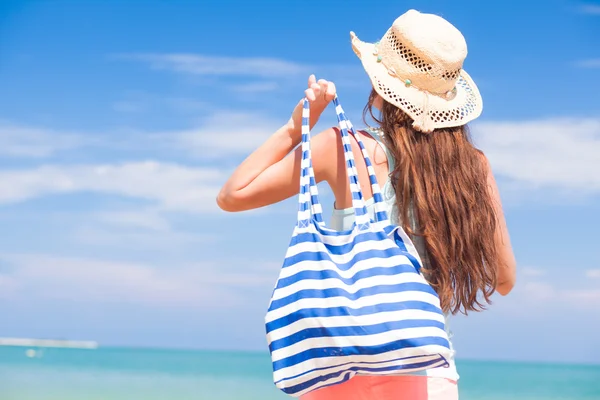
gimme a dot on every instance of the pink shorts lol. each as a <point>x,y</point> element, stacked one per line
<point>388,388</point>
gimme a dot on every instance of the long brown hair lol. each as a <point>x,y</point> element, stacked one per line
<point>442,176</point>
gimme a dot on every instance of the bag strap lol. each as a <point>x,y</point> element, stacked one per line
<point>308,199</point>
<point>380,206</point>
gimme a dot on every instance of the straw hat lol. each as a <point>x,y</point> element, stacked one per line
<point>417,66</point>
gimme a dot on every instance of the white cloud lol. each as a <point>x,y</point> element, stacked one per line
<point>145,219</point>
<point>591,63</point>
<point>223,134</point>
<point>8,286</point>
<point>530,271</point>
<point>199,64</point>
<point>24,141</point>
<point>275,70</point>
<point>591,295</point>
<point>535,297</point>
<point>556,154</point>
<point>220,134</point>
<point>549,290</point>
<point>169,186</point>
<point>539,290</point>
<point>186,104</point>
<point>591,9</point>
<point>593,273</point>
<point>138,239</point>
<point>552,153</point>
<point>142,102</point>
<point>129,106</point>
<point>141,229</point>
<point>48,277</point>
<point>254,87</point>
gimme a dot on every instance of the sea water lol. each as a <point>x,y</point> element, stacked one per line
<point>152,374</point>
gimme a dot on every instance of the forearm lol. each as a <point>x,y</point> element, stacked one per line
<point>273,150</point>
<point>267,176</point>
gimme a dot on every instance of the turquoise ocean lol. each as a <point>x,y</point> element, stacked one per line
<point>152,374</point>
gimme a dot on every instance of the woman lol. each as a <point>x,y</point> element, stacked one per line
<point>438,186</point>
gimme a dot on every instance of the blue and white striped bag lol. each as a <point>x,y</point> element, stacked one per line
<point>350,302</point>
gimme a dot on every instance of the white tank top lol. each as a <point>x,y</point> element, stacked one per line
<point>343,220</point>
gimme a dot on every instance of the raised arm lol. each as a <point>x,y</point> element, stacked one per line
<point>267,176</point>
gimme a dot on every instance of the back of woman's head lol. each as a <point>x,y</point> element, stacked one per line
<point>443,177</point>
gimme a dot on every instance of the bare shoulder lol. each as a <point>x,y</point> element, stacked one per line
<point>325,142</point>
<point>486,165</point>
<point>325,148</point>
<point>491,180</point>
<point>326,137</point>
<point>483,158</point>
<point>331,138</point>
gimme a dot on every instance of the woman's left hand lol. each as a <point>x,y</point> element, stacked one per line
<point>319,94</point>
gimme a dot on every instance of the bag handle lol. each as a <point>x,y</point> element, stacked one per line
<point>308,200</point>
<point>380,207</point>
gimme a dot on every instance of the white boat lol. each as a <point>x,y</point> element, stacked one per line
<point>73,344</point>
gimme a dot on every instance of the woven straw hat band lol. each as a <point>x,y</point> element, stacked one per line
<point>413,64</point>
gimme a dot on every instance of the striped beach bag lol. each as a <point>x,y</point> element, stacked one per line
<point>350,302</point>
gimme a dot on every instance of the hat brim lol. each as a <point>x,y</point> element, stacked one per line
<point>462,107</point>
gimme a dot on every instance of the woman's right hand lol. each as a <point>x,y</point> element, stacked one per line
<point>268,175</point>
<point>319,94</point>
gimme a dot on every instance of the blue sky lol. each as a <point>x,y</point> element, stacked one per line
<point>119,122</point>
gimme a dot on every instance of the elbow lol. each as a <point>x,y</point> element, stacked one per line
<point>505,287</point>
<point>507,283</point>
<point>228,201</point>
